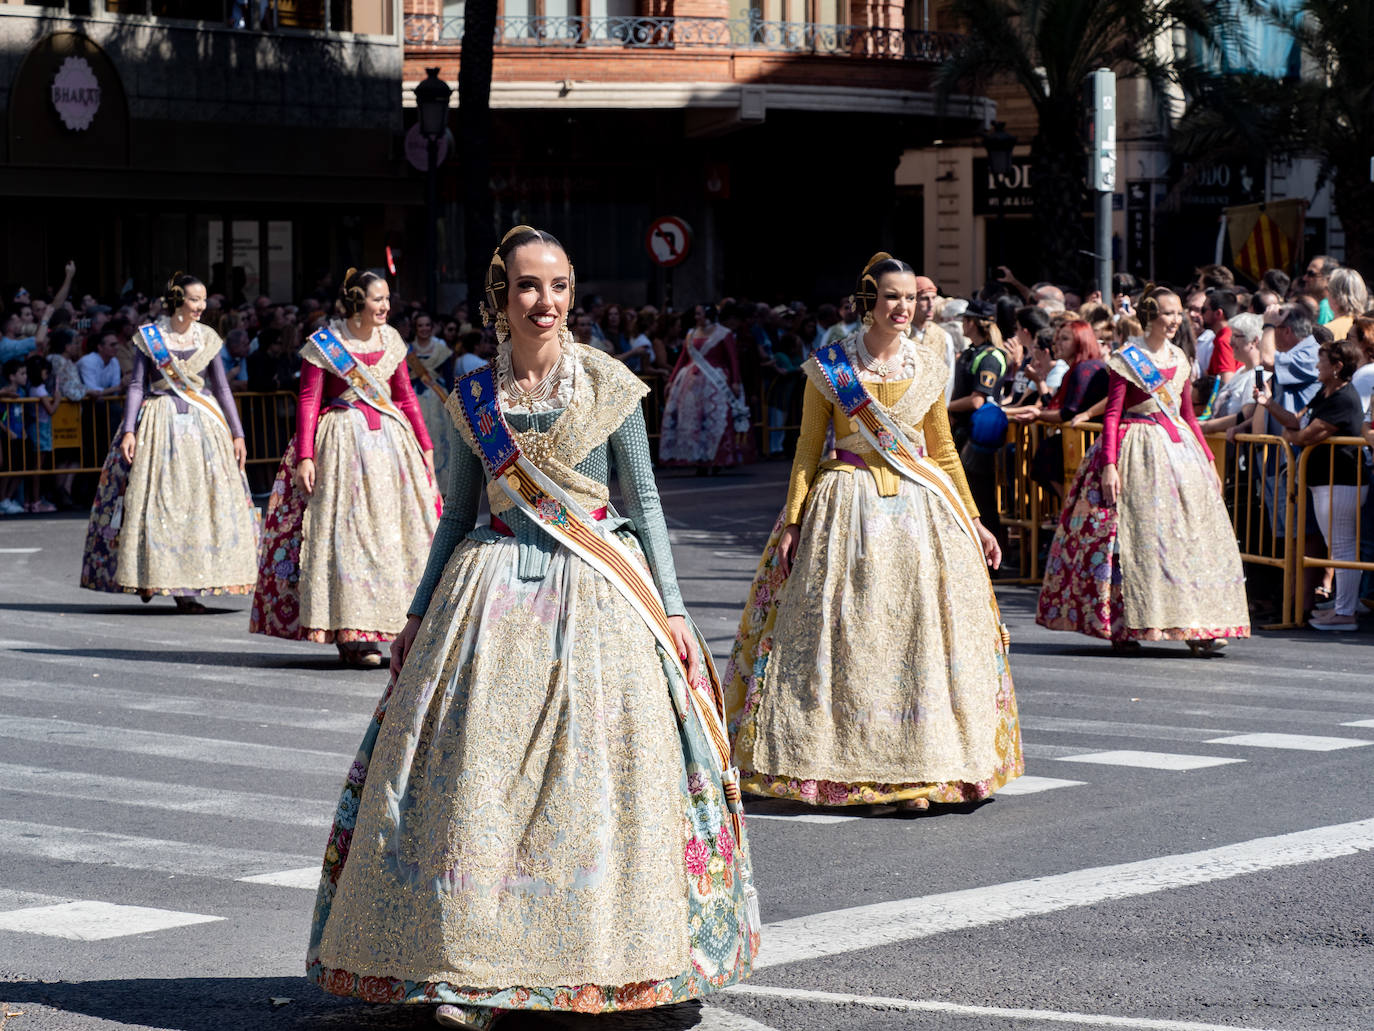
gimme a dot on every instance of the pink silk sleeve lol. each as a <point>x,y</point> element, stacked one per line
<point>404,395</point>
<point>308,409</point>
<point>1111,418</point>
<point>1186,410</point>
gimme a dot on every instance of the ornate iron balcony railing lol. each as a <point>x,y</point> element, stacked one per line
<point>753,33</point>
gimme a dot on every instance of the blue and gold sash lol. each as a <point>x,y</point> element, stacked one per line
<point>156,348</point>
<point>1154,383</point>
<point>340,361</point>
<point>886,437</point>
<point>552,509</point>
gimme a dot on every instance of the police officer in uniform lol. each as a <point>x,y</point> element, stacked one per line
<point>979,424</point>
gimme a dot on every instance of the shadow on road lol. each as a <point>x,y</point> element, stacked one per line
<point>327,660</point>
<point>251,1004</point>
<point>156,607</point>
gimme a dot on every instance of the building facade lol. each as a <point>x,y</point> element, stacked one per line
<point>255,143</point>
<point>775,134</point>
<point>1167,215</point>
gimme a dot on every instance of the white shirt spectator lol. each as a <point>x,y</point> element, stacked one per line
<point>1056,375</point>
<point>1205,342</point>
<point>98,375</point>
<point>466,363</point>
<point>1363,382</point>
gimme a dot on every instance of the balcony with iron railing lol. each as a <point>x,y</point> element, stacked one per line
<point>658,33</point>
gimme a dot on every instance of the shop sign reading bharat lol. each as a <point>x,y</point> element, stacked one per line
<point>75,93</point>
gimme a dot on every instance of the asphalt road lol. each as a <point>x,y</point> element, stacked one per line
<point>1192,849</point>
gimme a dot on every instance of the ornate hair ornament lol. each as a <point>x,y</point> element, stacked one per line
<point>866,291</point>
<point>176,293</point>
<point>354,296</point>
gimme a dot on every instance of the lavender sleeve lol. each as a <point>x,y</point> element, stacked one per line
<point>133,401</point>
<point>219,386</point>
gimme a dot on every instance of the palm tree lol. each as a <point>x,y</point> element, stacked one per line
<point>474,135</point>
<point>1048,47</point>
<point>1328,114</point>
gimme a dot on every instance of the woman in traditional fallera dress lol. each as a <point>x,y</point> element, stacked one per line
<point>870,664</point>
<point>1144,550</point>
<point>705,417</point>
<point>431,363</point>
<point>354,505</point>
<point>172,513</point>
<point>539,817</point>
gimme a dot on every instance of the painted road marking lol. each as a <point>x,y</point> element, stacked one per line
<point>902,920</point>
<point>88,921</point>
<point>20,551</point>
<point>184,858</point>
<point>238,710</point>
<point>179,798</point>
<point>1359,723</point>
<point>1297,742</point>
<point>801,817</point>
<point>1026,785</point>
<point>213,751</point>
<point>960,1010</point>
<point>1111,728</point>
<point>1149,760</point>
<point>305,877</point>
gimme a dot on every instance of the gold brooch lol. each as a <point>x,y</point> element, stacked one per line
<point>476,389</point>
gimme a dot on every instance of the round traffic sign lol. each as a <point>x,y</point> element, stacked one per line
<point>668,241</point>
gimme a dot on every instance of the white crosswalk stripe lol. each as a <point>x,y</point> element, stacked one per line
<point>1299,742</point>
<point>79,845</point>
<point>72,735</point>
<point>1150,760</point>
<point>68,733</point>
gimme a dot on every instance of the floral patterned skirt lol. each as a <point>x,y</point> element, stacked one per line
<point>181,520</point>
<point>876,672</point>
<point>342,564</point>
<point>528,824</point>
<point>1162,564</point>
<point>697,425</point>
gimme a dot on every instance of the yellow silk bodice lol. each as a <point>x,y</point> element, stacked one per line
<point>819,413</point>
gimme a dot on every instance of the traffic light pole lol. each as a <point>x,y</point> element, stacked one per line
<point>1103,246</point>
<point>1100,91</point>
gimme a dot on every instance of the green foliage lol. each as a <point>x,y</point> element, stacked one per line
<point>1329,114</point>
<point>1048,47</point>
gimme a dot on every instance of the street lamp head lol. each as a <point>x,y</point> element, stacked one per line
<point>431,100</point>
<point>999,144</point>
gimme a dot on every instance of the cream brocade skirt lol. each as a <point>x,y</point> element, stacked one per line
<point>367,528</point>
<point>529,824</point>
<point>184,522</point>
<point>876,672</point>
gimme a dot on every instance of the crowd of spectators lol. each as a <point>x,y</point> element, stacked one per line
<point>1266,359</point>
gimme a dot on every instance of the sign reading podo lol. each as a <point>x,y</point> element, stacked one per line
<point>668,241</point>
<point>75,93</point>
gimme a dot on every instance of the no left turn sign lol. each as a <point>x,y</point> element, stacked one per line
<point>668,241</point>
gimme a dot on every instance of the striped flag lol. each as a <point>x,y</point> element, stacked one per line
<point>1265,236</point>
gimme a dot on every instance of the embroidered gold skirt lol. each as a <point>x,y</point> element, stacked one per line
<point>876,671</point>
<point>180,520</point>
<point>529,824</point>
<point>366,530</point>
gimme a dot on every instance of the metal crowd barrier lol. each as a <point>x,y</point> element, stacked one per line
<point>1319,472</point>
<point>84,431</point>
<point>1265,484</point>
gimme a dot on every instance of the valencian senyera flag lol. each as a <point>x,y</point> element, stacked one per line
<point>1265,236</point>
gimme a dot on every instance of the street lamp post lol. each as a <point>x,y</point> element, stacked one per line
<point>999,144</point>
<point>431,100</point>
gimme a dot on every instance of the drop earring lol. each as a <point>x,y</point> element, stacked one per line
<point>868,319</point>
<point>502,325</point>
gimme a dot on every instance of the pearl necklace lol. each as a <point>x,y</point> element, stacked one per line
<point>537,394</point>
<point>883,367</point>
